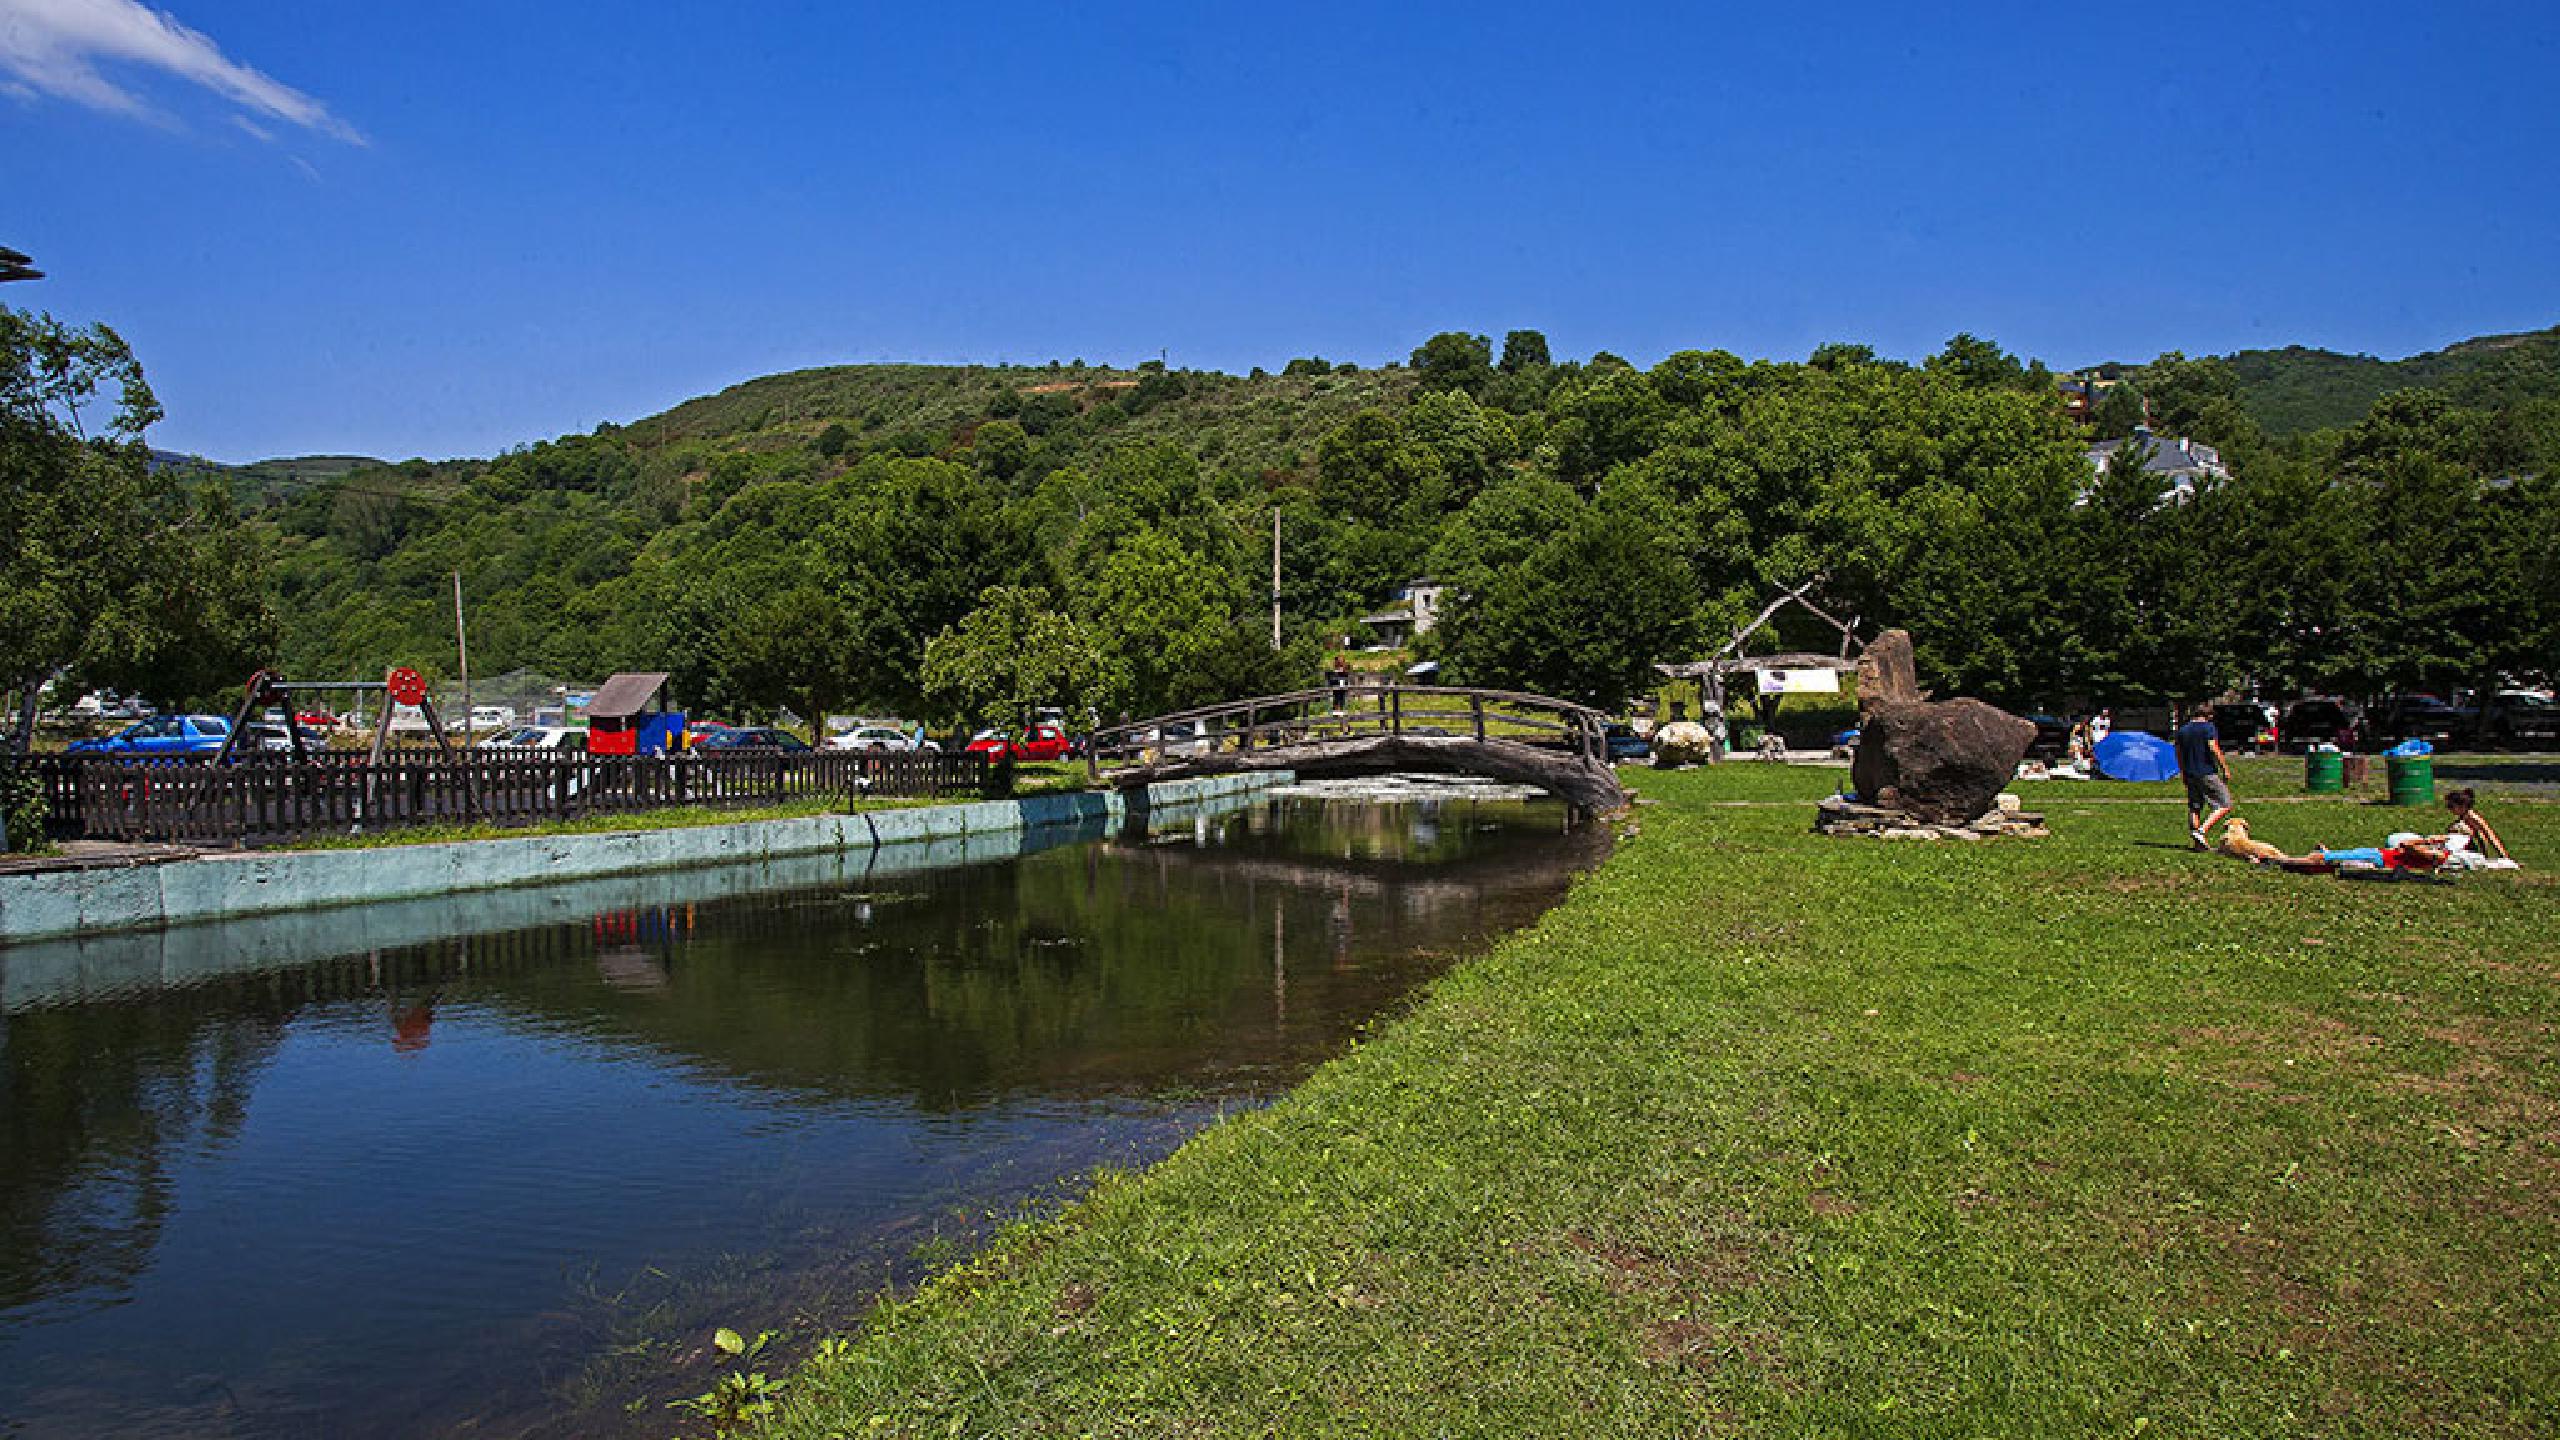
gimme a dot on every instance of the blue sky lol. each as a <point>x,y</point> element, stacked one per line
<point>445,229</point>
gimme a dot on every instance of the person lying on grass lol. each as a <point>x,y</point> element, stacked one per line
<point>2417,857</point>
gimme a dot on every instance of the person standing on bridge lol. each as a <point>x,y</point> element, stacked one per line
<point>1340,679</point>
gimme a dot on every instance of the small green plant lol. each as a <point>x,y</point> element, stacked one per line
<point>22,809</point>
<point>741,1398</point>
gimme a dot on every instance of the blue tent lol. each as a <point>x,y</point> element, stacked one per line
<point>2135,755</point>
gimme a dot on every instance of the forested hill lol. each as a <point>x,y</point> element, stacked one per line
<point>951,542</point>
<point>2297,389</point>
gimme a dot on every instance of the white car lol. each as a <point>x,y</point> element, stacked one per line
<point>887,738</point>
<point>563,739</point>
<point>493,717</point>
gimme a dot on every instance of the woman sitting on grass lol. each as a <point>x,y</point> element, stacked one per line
<point>2470,829</point>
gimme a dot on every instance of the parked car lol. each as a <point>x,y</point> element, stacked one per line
<point>493,717</point>
<point>751,737</point>
<point>174,735</point>
<point>269,738</point>
<point>2320,720</point>
<point>1189,737</point>
<point>553,739</point>
<point>2424,717</point>
<point>889,739</point>
<point>2245,728</point>
<point>1040,742</point>
<point>2521,720</point>
<point>2053,738</point>
<point>1625,744</point>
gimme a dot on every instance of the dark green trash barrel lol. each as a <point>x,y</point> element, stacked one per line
<point>2413,779</point>
<point>2322,772</point>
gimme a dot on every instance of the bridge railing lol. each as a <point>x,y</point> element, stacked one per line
<point>1358,710</point>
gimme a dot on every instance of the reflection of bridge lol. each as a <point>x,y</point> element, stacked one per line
<point>1375,729</point>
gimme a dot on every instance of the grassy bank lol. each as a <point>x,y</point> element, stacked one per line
<point>675,817</point>
<point>1764,1133</point>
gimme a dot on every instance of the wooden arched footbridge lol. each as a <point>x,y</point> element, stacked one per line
<point>1374,729</point>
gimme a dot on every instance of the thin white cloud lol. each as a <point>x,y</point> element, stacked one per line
<point>54,47</point>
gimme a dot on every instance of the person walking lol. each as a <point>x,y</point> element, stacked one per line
<point>2207,773</point>
<point>1340,679</point>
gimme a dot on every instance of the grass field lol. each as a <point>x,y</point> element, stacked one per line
<point>1767,1133</point>
<point>673,817</point>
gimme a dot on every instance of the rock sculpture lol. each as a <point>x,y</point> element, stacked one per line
<point>1940,762</point>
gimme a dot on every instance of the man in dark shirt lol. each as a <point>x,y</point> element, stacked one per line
<point>2207,773</point>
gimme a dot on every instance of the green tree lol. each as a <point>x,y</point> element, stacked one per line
<point>196,621</point>
<point>1453,360</point>
<point>1840,355</point>
<point>1008,657</point>
<point>1524,350</point>
<point>910,547</point>
<point>1166,620</point>
<point>1583,617</point>
<point>797,651</point>
<point>1971,360</point>
<point>106,568</point>
<point>1002,451</point>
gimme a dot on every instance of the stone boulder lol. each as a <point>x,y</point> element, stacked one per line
<point>1944,762</point>
<point>1682,742</point>
<point>1887,674</point>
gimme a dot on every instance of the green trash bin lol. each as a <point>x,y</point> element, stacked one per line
<point>2413,779</point>
<point>2324,772</point>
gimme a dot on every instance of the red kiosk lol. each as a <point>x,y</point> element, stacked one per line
<point>621,722</point>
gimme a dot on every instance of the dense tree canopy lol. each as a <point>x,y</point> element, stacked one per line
<point>949,543</point>
<point>117,573</point>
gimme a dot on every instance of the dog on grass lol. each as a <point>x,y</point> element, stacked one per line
<point>2236,841</point>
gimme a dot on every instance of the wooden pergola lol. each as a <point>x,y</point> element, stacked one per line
<point>1710,673</point>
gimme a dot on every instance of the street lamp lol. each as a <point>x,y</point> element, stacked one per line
<point>14,266</point>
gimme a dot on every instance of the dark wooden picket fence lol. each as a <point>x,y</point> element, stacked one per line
<point>266,799</point>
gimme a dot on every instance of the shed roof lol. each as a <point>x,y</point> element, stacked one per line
<point>626,694</point>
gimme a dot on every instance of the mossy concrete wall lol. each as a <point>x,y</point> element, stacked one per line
<point>59,903</point>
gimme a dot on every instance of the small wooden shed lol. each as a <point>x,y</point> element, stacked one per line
<point>621,720</point>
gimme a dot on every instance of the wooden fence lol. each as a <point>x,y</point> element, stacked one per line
<point>274,798</point>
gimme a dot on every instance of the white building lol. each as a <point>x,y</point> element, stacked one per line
<point>2180,463</point>
<point>1414,611</point>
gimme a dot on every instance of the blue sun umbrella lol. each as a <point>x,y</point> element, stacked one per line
<point>2134,755</point>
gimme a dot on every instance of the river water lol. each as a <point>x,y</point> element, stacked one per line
<point>510,1163</point>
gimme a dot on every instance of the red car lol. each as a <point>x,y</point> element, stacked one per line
<point>1040,742</point>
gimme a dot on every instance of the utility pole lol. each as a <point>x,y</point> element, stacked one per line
<point>462,649</point>
<point>1275,577</point>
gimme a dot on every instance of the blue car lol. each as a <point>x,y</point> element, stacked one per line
<point>1625,745</point>
<point>162,735</point>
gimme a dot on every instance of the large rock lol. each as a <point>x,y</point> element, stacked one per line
<point>1887,674</point>
<point>1941,761</point>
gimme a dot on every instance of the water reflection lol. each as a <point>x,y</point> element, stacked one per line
<point>422,1185</point>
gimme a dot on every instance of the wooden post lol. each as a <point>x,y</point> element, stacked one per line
<point>1711,700</point>
<point>462,651</point>
<point>470,787</point>
<point>1475,703</point>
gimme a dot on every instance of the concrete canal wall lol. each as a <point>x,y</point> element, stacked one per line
<point>69,903</point>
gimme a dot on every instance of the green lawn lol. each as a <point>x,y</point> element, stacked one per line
<point>673,817</point>
<point>1767,1133</point>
